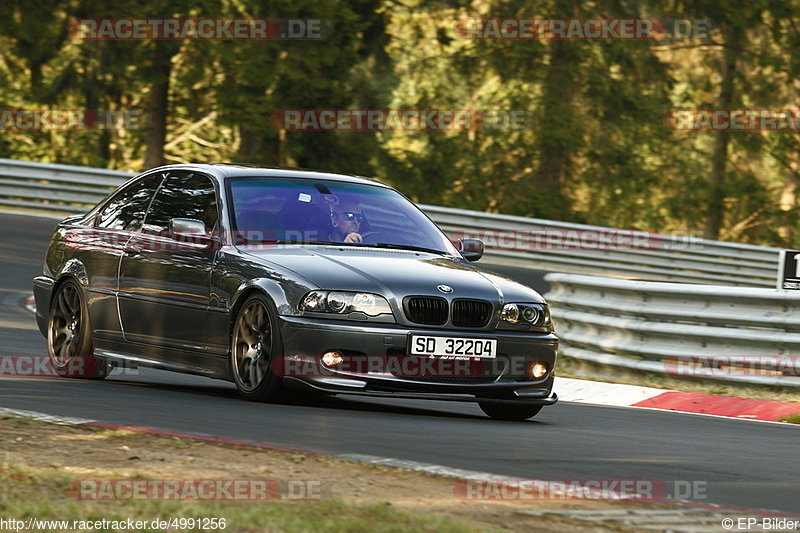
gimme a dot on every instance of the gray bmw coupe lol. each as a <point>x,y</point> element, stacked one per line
<point>284,281</point>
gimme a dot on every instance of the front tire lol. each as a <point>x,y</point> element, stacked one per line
<point>255,344</point>
<point>511,412</point>
<point>69,335</point>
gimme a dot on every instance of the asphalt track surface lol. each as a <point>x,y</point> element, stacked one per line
<point>742,463</point>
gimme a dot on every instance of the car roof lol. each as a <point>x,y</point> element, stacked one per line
<point>220,171</point>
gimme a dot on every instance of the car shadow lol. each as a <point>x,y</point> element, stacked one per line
<point>364,404</point>
<point>225,390</point>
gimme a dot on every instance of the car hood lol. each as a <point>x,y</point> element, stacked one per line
<point>392,273</point>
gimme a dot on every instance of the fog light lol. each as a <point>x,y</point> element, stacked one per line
<point>331,358</point>
<point>538,370</point>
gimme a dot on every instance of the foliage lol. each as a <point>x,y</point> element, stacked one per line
<point>595,147</point>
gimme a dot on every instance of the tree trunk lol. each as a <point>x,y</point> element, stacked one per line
<point>158,107</point>
<point>719,155</point>
<point>92,104</point>
<point>258,147</point>
<point>555,156</point>
<point>280,147</point>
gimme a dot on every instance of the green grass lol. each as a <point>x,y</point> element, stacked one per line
<point>17,420</point>
<point>792,419</point>
<point>116,433</point>
<point>30,493</point>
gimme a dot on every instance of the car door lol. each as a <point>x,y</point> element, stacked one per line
<point>100,247</point>
<point>164,280</point>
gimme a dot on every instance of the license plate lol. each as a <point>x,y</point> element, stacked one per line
<point>453,346</point>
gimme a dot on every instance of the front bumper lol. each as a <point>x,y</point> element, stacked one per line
<point>502,380</point>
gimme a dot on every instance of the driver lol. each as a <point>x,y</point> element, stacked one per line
<point>346,220</point>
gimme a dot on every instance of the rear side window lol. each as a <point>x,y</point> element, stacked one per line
<point>126,209</point>
<point>183,195</point>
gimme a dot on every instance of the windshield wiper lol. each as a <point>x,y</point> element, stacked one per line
<point>288,241</point>
<point>407,247</point>
<point>358,244</point>
<point>293,241</point>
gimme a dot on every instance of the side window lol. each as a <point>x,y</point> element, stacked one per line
<point>183,196</point>
<point>126,209</point>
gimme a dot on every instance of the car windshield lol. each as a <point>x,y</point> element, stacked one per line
<point>285,210</point>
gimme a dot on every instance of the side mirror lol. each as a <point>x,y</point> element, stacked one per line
<point>193,231</point>
<point>471,249</point>
<point>186,226</point>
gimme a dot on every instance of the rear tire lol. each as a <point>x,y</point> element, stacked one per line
<point>512,412</point>
<point>69,335</point>
<point>255,344</point>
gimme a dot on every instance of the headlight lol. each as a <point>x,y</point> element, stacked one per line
<point>531,315</point>
<point>344,303</point>
<point>510,313</point>
<point>534,316</point>
<point>337,301</point>
<point>314,301</point>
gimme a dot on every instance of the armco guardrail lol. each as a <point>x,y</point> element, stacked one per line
<point>724,333</point>
<point>664,258</point>
<point>529,242</point>
<point>57,188</point>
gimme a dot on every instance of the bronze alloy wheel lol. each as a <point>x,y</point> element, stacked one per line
<point>254,342</point>
<point>69,340</point>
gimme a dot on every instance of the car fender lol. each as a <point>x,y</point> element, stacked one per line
<point>76,269</point>
<point>268,286</point>
<point>220,323</point>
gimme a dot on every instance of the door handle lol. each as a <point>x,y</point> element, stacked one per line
<point>130,252</point>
